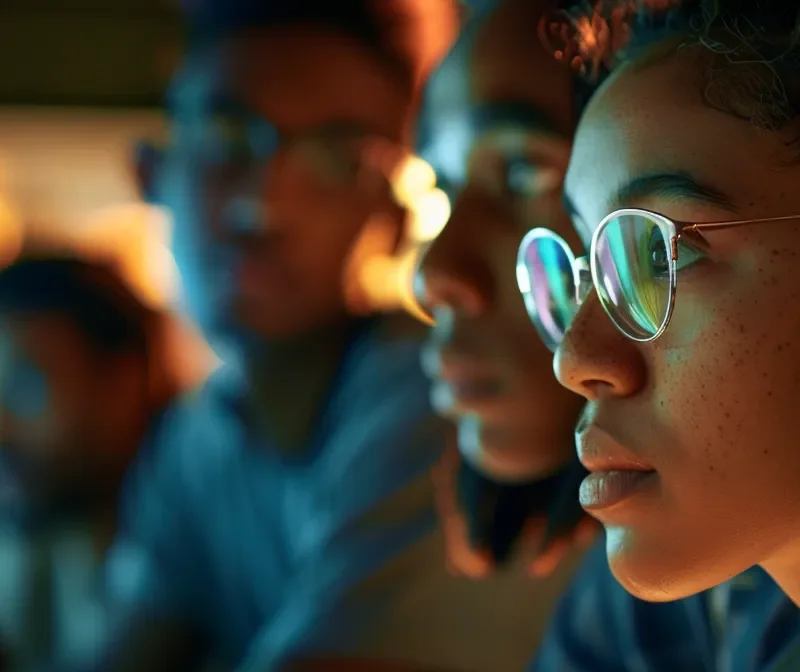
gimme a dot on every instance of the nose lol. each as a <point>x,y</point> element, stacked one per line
<point>595,360</point>
<point>255,201</point>
<point>454,271</point>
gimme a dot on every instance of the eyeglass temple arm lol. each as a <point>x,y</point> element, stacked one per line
<point>697,226</point>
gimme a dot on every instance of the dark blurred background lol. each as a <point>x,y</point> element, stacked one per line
<point>89,53</point>
<point>79,79</point>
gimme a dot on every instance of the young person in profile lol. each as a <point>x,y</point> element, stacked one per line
<point>676,329</point>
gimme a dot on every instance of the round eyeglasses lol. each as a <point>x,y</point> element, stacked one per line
<point>633,264</point>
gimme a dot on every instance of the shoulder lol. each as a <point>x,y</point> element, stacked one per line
<point>379,430</point>
<point>382,385</point>
<point>383,366</point>
<point>206,415</point>
<point>188,442</point>
<point>382,436</point>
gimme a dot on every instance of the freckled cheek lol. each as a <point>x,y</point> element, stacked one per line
<point>736,385</point>
<point>699,397</point>
<point>699,356</point>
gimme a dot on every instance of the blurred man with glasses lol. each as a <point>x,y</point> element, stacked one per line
<point>287,513</point>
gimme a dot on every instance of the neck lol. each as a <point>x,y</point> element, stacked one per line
<point>289,384</point>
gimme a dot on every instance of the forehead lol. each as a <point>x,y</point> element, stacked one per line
<point>297,77</point>
<point>498,76</point>
<point>654,119</point>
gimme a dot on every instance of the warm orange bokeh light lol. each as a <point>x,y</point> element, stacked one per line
<point>385,278</point>
<point>135,238</point>
<point>10,229</point>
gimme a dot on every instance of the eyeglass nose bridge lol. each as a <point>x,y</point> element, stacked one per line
<point>583,279</point>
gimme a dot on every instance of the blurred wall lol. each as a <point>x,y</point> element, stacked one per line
<point>61,165</point>
<point>87,53</point>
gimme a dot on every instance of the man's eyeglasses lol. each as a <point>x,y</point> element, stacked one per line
<point>230,143</point>
<point>633,263</point>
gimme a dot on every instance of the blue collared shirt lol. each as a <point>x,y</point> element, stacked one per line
<point>238,536</point>
<point>334,551</point>
<point>600,627</point>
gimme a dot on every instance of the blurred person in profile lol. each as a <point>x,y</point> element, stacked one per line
<point>497,126</point>
<point>289,512</point>
<point>85,374</point>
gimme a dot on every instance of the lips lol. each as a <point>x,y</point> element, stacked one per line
<point>462,394</point>
<point>454,398</point>
<point>604,489</point>
<point>460,383</point>
<point>598,448</point>
<point>617,473</point>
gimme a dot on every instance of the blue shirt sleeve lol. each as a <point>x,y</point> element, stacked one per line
<point>600,627</point>
<point>155,566</point>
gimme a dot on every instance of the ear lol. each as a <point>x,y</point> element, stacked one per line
<point>147,161</point>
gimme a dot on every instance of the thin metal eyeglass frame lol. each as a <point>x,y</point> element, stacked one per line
<point>672,230</point>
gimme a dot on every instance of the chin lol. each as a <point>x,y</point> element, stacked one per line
<point>657,569</point>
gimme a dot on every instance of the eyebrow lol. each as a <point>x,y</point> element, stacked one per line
<point>677,185</point>
<point>664,185</point>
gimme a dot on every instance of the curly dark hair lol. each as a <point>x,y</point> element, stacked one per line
<point>754,47</point>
